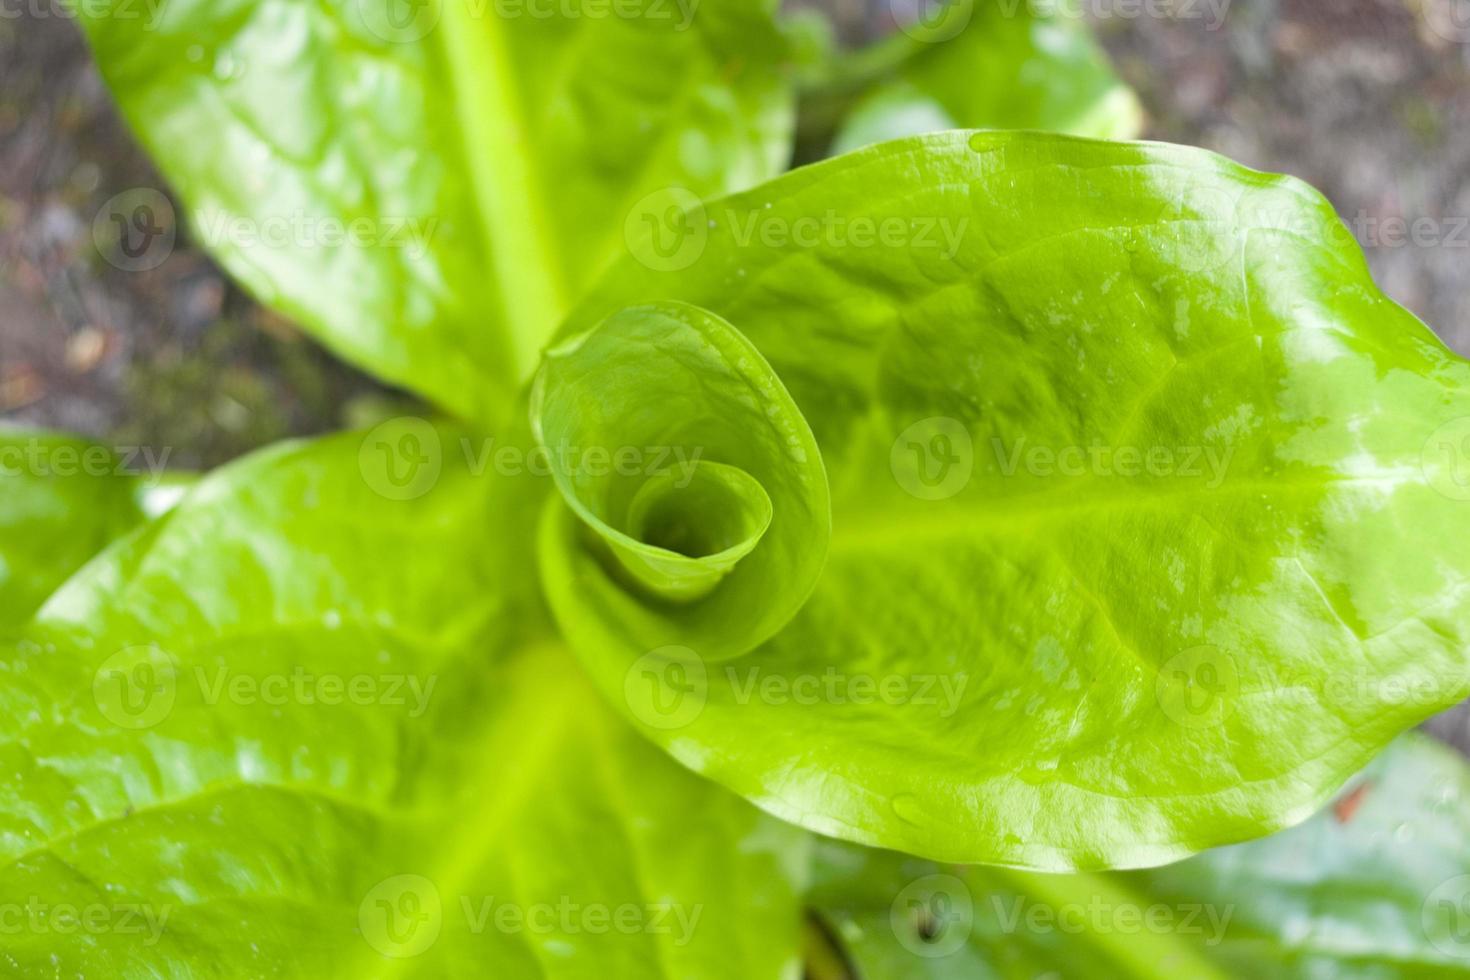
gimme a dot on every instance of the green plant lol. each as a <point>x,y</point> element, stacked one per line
<point>1004,498</point>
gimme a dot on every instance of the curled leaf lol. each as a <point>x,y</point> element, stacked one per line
<point>693,509</point>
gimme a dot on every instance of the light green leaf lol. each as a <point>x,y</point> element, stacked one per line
<point>1148,508</point>
<point>738,514</point>
<point>1375,886</point>
<point>62,499</point>
<point>310,723</point>
<point>988,64</point>
<point>426,186</point>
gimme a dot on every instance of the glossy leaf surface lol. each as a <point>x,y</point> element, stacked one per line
<point>1374,886</point>
<point>994,64</point>
<point>427,186</point>
<point>61,500</point>
<point>1147,505</point>
<point>338,741</point>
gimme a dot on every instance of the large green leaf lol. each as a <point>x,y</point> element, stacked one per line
<point>1148,508</point>
<point>1376,886</point>
<point>992,64</point>
<point>427,185</point>
<point>61,500</point>
<point>310,723</point>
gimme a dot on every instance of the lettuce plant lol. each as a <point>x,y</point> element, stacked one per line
<point>884,567</point>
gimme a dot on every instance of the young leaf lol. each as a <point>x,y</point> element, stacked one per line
<point>61,500</point>
<point>994,64</point>
<point>426,186</point>
<point>1373,886</point>
<point>737,516</point>
<point>1148,507</point>
<point>311,722</point>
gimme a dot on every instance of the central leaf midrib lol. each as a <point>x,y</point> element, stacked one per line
<point>509,201</point>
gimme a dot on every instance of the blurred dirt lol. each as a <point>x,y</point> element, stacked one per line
<point>171,357</point>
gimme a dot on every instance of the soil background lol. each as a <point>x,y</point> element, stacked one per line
<point>1368,100</point>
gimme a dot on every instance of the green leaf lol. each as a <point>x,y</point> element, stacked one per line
<point>1148,507</point>
<point>985,64</point>
<point>427,186</point>
<point>736,512</point>
<point>1374,886</point>
<point>62,499</point>
<point>311,723</point>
